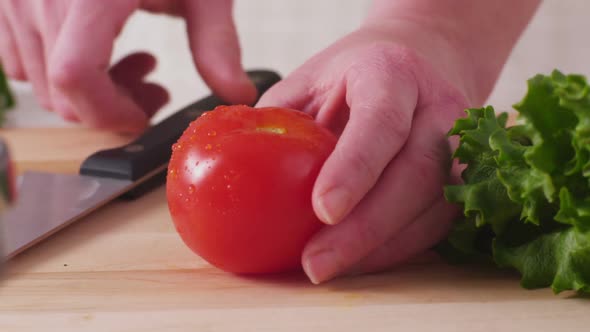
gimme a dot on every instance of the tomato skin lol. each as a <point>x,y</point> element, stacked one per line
<point>239,187</point>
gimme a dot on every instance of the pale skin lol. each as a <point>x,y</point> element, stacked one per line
<point>390,90</point>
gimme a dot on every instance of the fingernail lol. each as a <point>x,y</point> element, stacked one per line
<point>331,206</point>
<point>319,266</point>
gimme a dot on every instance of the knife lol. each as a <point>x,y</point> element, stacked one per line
<point>6,187</point>
<point>48,202</point>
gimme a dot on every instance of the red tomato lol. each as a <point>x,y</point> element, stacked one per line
<point>239,186</point>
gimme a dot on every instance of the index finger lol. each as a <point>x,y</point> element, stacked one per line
<point>382,96</point>
<point>78,67</point>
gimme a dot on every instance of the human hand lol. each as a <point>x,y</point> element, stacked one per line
<point>391,94</point>
<point>64,48</point>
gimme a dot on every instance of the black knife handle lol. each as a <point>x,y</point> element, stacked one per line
<point>142,158</point>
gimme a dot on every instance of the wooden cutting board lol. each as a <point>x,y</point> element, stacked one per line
<point>125,269</point>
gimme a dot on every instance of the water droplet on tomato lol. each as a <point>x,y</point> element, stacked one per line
<point>191,189</point>
<point>228,186</point>
<point>208,147</point>
<point>212,133</point>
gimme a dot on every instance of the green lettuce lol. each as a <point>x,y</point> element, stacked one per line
<point>6,97</point>
<point>526,188</point>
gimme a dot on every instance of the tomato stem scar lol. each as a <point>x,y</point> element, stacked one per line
<point>273,130</point>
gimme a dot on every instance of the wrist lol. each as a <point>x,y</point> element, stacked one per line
<point>468,42</point>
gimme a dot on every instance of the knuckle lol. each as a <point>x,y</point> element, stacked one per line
<point>369,233</point>
<point>393,125</point>
<point>388,58</point>
<point>432,164</point>
<point>362,166</point>
<point>16,72</point>
<point>404,57</point>
<point>66,74</point>
<point>390,125</point>
<point>446,104</point>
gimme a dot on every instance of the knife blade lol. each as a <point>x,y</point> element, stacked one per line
<point>48,202</point>
<point>6,189</point>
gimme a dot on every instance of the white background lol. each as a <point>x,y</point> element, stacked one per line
<point>281,34</point>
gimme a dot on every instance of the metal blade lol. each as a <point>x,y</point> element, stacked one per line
<point>47,202</point>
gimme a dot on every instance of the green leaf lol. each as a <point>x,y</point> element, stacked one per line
<point>480,201</point>
<point>559,259</point>
<point>6,97</point>
<point>468,243</point>
<point>574,211</point>
<point>573,92</point>
<point>483,190</point>
<point>549,125</point>
<point>526,190</point>
<point>475,132</point>
<point>531,188</point>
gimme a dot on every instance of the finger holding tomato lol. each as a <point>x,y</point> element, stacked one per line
<point>380,190</point>
<point>390,91</point>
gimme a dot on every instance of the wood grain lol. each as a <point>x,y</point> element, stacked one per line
<point>124,268</point>
<point>57,149</point>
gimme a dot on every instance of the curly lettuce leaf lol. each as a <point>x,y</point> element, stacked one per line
<point>560,260</point>
<point>529,187</point>
<point>6,97</point>
<point>526,190</point>
<point>574,211</point>
<point>573,93</point>
<point>484,191</point>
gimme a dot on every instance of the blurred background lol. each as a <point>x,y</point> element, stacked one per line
<point>282,34</point>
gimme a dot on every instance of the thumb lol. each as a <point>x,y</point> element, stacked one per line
<point>216,51</point>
